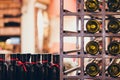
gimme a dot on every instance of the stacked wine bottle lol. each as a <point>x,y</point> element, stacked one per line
<point>30,67</point>
<point>94,68</point>
<point>96,37</point>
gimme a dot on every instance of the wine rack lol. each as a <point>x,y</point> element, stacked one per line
<point>80,34</point>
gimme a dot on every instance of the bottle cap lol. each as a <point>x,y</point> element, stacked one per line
<point>56,58</point>
<point>2,56</point>
<point>38,57</point>
<point>34,57</point>
<point>46,57</point>
<point>18,56</point>
<point>13,56</point>
<point>25,57</point>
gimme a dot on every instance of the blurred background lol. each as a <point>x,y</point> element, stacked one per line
<point>32,25</point>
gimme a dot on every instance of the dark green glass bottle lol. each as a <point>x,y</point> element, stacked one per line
<point>24,66</point>
<point>92,5</point>
<point>92,47</point>
<point>93,68</point>
<point>3,67</point>
<point>114,48</point>
<point>114,26</point>
<point>114,69</point>
<point>93,26</point>
<point>55,68</point>
<point>13,68</point>
<point>46,62</point>
<point>36,68</point>
<point>113,5</point>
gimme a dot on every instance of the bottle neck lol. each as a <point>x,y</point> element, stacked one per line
<point>13,60</point>
<point>56,63</point>
<point>2,61</point>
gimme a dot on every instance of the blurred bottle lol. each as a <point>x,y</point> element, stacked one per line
<point>13,68</point>
<point>55,68</point>
<point>113,5</point>
<point>93,68</point>
<point>3,67</point>
<point>46,61</point>
<point>36,68</point>
<point>92,47</point>
<point>114,48</point>
<point>92,5</point>
<point>114,68</point>
<point>24,67</point>
<point>93,26</point>
<point>114,26</point>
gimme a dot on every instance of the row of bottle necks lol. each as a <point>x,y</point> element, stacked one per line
<point>97,5</point>
<point>95,48</point>
<point>29,67</point>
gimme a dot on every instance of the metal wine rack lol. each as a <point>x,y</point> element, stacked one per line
<point>81,33</point>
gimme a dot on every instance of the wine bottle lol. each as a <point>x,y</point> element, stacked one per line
<point>3,67</point>
<point>36,68</point>
<point>113,5</point>
<point>55,68</point>
<point>93,26</point>
<point>114,68</point>
<point>92,47</point>
<point>24,67</point>
<point>93,68</point>
<point>13,68</point>
<point>92,5</point>
<point>114,26</point>
<point>114,48</point>
<point>39,59</point>
<point>46,61</point>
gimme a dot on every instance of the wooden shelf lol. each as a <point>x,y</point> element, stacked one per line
<point>4,20</point>
<point>10,4</point>
<point>10,11</point>
<point>10,31</point>
<point>79,34</point>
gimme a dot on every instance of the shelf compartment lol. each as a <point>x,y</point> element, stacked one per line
<point>10,31</point>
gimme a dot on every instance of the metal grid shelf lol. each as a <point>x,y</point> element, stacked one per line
<point>68,13</point>
<point>90,56</point>
<point>79,53</point>
<point>85,34</point>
